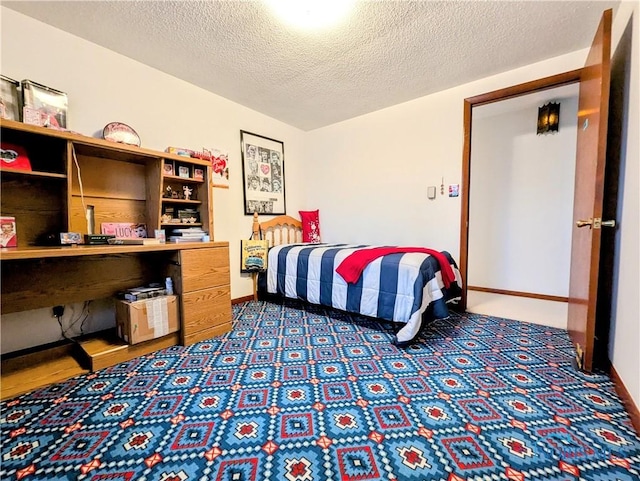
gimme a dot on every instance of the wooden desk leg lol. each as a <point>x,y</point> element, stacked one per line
<point>254,276</point>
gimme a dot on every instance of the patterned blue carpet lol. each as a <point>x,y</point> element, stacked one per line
<point>294,394</point>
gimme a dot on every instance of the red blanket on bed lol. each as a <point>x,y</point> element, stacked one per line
<point>352,266</point>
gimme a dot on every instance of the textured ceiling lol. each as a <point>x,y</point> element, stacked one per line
<point>387,52</point>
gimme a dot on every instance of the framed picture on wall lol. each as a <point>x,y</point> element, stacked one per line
<point>262,174</point>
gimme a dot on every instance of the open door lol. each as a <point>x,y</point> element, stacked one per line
<point>593,112</point>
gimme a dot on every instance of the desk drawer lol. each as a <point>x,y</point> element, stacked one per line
<point>205,309</point>
<point>204,268</point>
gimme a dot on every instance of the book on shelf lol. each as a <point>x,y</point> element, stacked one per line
<point>140,241</point>
<point>192,234</point>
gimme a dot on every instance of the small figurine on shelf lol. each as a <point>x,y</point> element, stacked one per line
<point>187,192</point>
<point>167,192</point>
<point>166,218</point>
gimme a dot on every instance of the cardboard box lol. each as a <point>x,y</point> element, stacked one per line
<point>147,319</point>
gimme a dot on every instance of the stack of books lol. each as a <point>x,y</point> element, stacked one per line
<point>192,234</point>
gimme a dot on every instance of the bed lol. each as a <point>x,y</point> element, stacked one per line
<point>408,286</point>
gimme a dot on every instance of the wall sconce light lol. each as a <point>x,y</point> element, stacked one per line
<point>548,118</point>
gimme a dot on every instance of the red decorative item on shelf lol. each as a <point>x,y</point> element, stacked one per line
<point>14,157</point>
<point>122,133</point>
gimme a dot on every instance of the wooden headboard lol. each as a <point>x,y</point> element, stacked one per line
<point>280,230</point>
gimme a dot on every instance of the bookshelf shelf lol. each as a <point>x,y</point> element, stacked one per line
<point>190,180</point>
<point>181,201</point>
<point>32,173</point>
<point>180,226</point>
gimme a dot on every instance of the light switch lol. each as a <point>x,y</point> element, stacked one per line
<point>431,192</point>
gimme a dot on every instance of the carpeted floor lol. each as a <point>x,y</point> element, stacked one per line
<point>294,394</point>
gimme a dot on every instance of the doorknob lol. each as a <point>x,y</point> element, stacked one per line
<point>584,223</point>
<point>596,223</point>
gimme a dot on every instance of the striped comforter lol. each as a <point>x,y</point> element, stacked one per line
<point>398,287</point>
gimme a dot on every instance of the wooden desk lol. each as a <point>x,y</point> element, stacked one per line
<point>38,277</point>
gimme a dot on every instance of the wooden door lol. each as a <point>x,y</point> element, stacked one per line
<point>593,110</point>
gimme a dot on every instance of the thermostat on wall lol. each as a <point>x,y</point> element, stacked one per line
<point>431,192</point>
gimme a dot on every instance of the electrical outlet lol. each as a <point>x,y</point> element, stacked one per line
<point>58,311</point>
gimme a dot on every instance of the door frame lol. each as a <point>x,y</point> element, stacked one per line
<point>514,91</point>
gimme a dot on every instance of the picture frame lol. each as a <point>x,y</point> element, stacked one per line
<point>198,173</point>
<point>262,174</point>
<point>219,169</point>
<point>184,172</point>
<point>8,232</point>
<point>168,168</point>
<point>10,99</point>
<point>44,106</point>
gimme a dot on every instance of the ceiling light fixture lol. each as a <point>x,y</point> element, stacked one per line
<point>311,14</point>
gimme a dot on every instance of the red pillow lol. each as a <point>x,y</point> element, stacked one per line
<point>310,226</point>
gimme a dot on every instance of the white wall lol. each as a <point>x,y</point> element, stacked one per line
<point>625,329</point>
<point>521,195</point>
<point>379,165</point>
<point>103,87</point>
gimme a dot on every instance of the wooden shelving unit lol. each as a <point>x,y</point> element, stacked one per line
<point>200,201</point>
<point>124,184</point>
